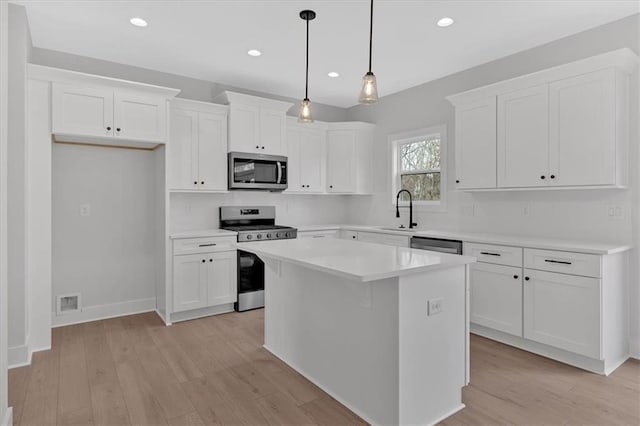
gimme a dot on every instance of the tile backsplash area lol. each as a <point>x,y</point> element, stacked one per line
<point>191,211</point>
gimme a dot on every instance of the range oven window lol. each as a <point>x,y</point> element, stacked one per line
<point>257,171</point>
<point>250,272</point>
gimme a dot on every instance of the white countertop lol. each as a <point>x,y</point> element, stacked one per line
<point>202,233</point>
<point>355,259</point>
<point>501,239</point>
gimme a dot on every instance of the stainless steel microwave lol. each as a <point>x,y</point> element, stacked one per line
<point>257,171</point>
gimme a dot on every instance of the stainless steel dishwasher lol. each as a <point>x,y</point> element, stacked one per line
<point>437,244</point>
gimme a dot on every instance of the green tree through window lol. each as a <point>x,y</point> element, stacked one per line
<point>420,168</point>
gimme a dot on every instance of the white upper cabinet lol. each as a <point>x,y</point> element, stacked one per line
<point>198,146</point>
<point>475,143</point>
<point>565,127</point>
<point>140,117</point>
<point>98,110</point>
<point>583,129</point>
<point>256,125</point>
<point>82,110</point>
<point>523,138</point>
<point>349,158</point>
<point>306,152</point>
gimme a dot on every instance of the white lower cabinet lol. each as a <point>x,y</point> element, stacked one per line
<point>206,278</point>
<point>328,233</point>
<point>563,311</point>
<point>496,297</point>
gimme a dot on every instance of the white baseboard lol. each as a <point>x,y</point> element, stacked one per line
<point>18,356</point>
<point>634,349</point>
<point>8,417</point>
<point>99,312</point>
<point>199,313</point>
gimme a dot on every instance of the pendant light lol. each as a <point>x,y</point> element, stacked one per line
<point>305,115</point>
<point>369,91</point>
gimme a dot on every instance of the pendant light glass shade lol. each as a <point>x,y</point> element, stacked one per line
<point>305,115</point>
<point>369,91</point>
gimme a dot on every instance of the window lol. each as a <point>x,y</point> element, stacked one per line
<point>418,165</point>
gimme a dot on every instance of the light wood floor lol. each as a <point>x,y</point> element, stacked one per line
<point>134,370</point>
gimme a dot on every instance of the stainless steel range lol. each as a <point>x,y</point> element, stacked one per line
<point>254,223</point>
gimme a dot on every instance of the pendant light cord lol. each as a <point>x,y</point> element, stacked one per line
<point>306,83</point>
<point>370,35</point>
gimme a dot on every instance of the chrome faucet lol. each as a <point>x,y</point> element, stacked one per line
<point>411,223</point>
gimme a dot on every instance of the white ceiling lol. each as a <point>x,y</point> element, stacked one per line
<point>209,39</point>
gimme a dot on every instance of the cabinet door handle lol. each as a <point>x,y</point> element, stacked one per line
<point>263,147</point>
<point>526,278</point>
<point>457,181</point>
<point>353,236</point>
<point>552,176</point>
<point>207,245</point>
<point>486,253</point>
<point>330,186</point>
<point>542,177</point>
<point>202,183</point>
<point>210,260</point>
<point>108,127</point>
<point>117,129</point>
<point>257,146</point>
<point>195,182</point>
<point>562,262</point>
<point>515,277</point>
<point>204,260</point>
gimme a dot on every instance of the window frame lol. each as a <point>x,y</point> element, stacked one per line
<point>399,139</point>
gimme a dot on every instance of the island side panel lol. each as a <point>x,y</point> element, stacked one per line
<point>340,334</point>
<point>432,347</point>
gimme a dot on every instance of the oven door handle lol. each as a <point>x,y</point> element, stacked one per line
<point>279,172</point>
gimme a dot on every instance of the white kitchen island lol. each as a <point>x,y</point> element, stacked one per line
<point>354,319</point>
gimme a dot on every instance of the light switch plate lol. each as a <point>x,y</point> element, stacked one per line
<point>434,306</point>
<point>85,210</point>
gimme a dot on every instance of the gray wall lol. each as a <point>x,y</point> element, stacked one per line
<point>19,55</point>
<point>570,214</point>
<point>191,88</point>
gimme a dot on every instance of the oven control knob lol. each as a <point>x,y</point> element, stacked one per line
<point>279,235</point>
<point>249,237</point>
<point>259,236</point>
<point>268,236</point>
<point>286,234</point>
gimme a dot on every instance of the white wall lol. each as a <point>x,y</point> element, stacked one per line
<point>19,55</point>
<point>572,214</point>
<point>201,211</point>
<point>5,413</point>
<point>109,257</point>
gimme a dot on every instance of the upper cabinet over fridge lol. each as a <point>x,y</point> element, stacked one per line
<point>566,127</point>
<point>256,125</point>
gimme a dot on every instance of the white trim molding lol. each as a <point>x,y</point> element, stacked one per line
<point>8,417</point>
<point>98,312</point>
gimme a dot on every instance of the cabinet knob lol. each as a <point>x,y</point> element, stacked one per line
<point>204,260</point>
<point>542,177</point>
<point>457,181</point>
<point>353,236</point>
<point>515,277</point>
<point>526,278</point>
<point>117,129</point>
<point>195,182</point>
<point>202,183</point>
<point>330,186</point>
<point>257,146</point>
<point>210,260</point>
<point>552,176</point>
<point>263,147</point>
<point>108,127</point>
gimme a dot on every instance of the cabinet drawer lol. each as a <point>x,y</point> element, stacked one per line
<point>386,239</point>
<point>348,235</point>
<point>563,261</point>
<point>489,253</point>
<point>318,234</point>
<point>203,245</point>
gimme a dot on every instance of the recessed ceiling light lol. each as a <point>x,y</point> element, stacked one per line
<point>445,22</point>
<point>254,52</point>
<point>138,22</point>
<point>334,74</point>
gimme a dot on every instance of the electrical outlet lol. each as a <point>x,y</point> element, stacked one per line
<point>434,306</point>
<point>615,212</point>
<point>85,210</point>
